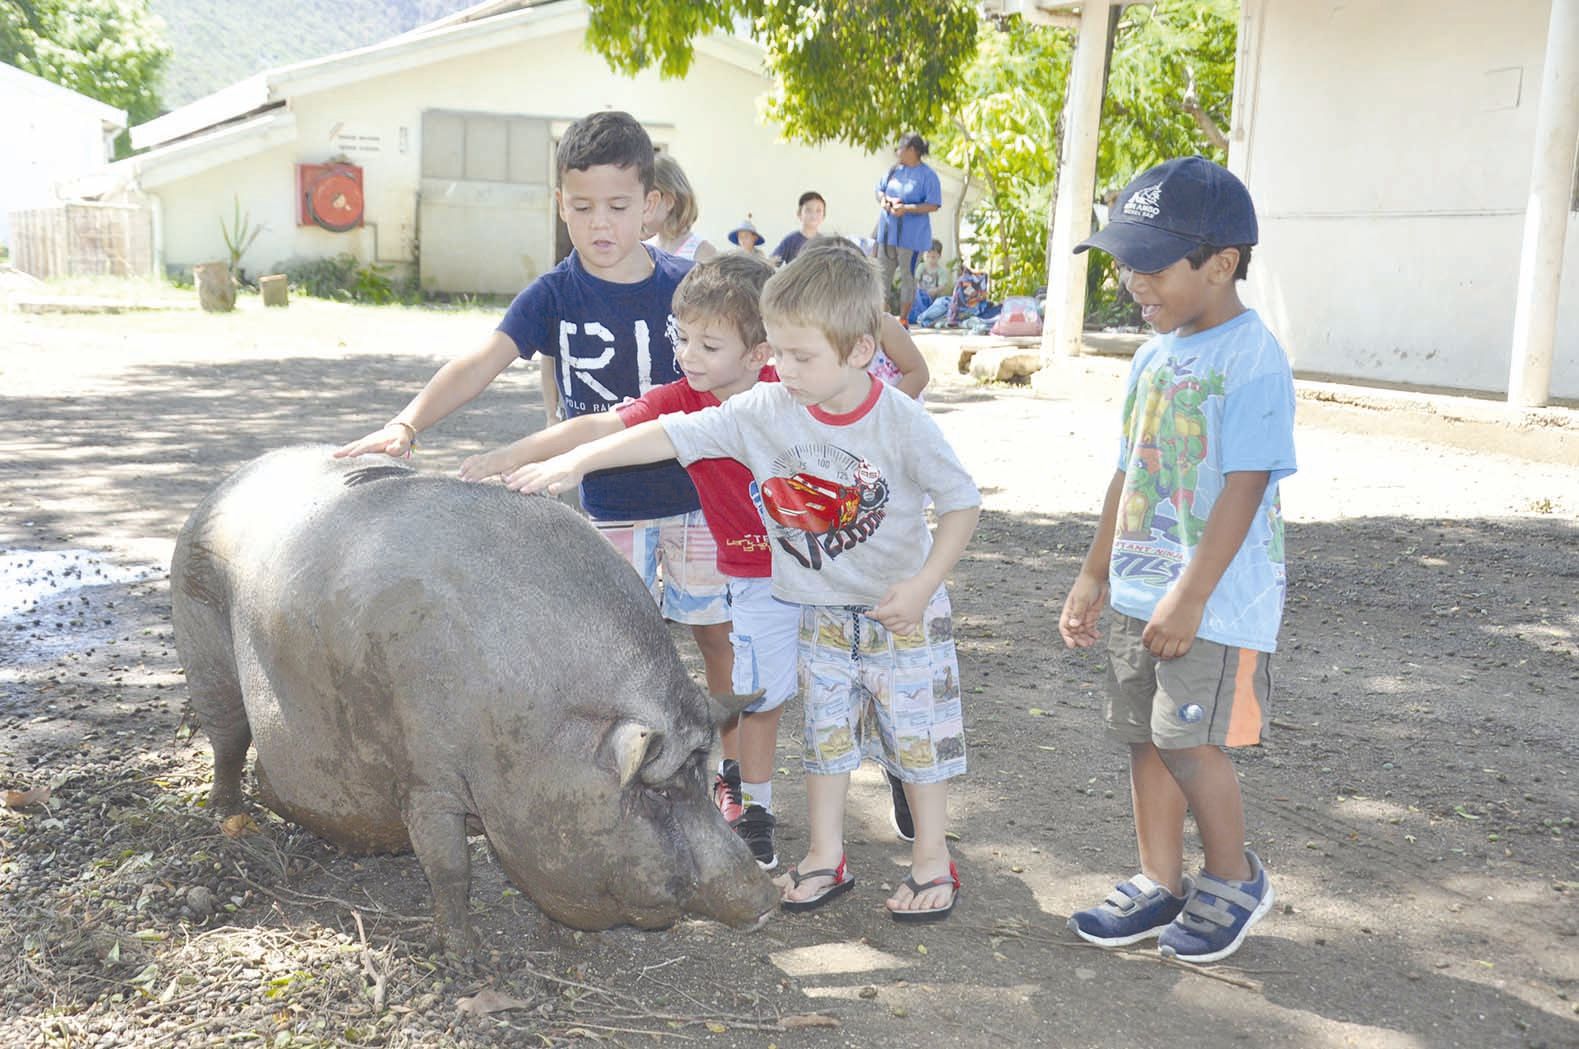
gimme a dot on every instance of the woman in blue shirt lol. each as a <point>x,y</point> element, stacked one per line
<point>908,194</point>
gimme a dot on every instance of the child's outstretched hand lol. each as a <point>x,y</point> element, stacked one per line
<point>551,476</point>
<point>902,607</point>
<point>1083,612</point>
<point>393,438</point>
<point>489,464</point>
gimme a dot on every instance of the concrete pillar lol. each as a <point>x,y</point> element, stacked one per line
<point>1077,173</point>
<point>1546,214</point>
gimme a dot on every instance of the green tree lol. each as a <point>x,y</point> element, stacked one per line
<point>991,101</point>
<point>854,72</point>
<point>111,50</point>
<point>1170,86</point>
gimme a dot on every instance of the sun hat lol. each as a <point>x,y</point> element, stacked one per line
<point>745,225</point>
<point>1168,211</point>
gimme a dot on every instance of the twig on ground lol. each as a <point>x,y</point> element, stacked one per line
<point>379,977</point>
<point>645,969</point>
<point>308,897</point>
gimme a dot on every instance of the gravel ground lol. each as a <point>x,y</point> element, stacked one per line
<point>1414,802</point>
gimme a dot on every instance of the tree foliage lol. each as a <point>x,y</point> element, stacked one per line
<point>991,98</point>
<point>111,50</point>
<point>1170,86</point>
<point>860,73</point>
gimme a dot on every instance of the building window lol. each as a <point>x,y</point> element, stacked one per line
<point>484,147</point>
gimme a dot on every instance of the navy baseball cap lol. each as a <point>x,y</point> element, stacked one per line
<point>1168,211</point>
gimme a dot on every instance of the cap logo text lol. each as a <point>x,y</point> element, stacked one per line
<point>1145,204</point>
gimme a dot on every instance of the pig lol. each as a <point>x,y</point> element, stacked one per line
<point>412,655</point>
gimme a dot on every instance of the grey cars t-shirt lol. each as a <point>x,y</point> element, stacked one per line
<point>842,496</point>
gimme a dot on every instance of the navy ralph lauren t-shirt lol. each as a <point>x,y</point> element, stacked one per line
<point>611,342</point>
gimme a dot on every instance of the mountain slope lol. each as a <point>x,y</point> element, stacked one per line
<point>218,42</point>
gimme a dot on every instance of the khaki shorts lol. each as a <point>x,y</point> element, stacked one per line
<point>1213,694</point>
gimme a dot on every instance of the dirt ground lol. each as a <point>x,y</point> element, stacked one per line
<point>1414,802</point>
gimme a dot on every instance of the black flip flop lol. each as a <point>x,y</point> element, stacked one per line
<point>843,882</point>
<point>936,914</point>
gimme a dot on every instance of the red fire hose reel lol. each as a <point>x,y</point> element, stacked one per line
<point>329,195</point>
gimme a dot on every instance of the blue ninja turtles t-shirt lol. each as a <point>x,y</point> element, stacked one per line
<point>1200,407</point>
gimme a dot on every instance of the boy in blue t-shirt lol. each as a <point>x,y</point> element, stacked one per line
<point>601,322</point>
<point>1190,547</point>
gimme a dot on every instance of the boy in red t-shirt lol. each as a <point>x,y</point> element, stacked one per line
<point>722,349</point>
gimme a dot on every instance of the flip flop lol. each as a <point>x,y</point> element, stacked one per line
<point>935,914</point>
<point>843,882</point>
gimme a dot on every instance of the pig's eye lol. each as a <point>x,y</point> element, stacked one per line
<point>658,795</point>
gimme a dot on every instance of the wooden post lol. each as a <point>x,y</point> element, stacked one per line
<point>274,289</point>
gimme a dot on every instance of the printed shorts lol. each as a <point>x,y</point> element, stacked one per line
<point>1213,694</point>
<point>693,591</point>
<point>870,693</point>
<point>766,639</point>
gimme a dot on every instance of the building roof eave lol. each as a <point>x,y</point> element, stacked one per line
<point>394,55</point>
<point>262,131</point>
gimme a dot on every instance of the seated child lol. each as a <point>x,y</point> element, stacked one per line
<point>931,280</point>
<point>969,299</point>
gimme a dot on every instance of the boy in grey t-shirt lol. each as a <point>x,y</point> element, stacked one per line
<point>842,466</point>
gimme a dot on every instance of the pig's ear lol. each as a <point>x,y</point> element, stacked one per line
<point>628,743</point>
<point>727,704</point>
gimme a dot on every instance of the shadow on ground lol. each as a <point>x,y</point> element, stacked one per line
<point>1413,801</point>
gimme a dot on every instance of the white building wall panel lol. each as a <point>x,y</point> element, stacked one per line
<point>1388,148</point>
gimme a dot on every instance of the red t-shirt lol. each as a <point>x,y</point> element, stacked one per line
<point>722,485</point>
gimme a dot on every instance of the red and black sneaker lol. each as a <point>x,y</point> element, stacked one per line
<point>726,792</point>
<point>756,830</point>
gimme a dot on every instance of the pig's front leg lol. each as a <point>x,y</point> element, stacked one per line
<point>437,825</point>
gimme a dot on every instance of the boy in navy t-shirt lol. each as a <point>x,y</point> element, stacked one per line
<point>600,320</point>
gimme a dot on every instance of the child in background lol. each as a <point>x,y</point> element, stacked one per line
<point>672,220</point>
<point>898,361</point>
<point>932,280</point>
<point>746,238</point>
<point>810,209</point>
<point>1190,542</point>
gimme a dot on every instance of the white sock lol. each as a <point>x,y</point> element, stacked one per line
<point>757,794</point>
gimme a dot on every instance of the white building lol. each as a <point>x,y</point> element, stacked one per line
<point>1413,165</point>
<point>52,134</point>
<point>1406,159</point>
<point>453,127</point>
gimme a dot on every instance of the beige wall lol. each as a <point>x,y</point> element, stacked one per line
<point>709,121</point>
<point>1388,148</point>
